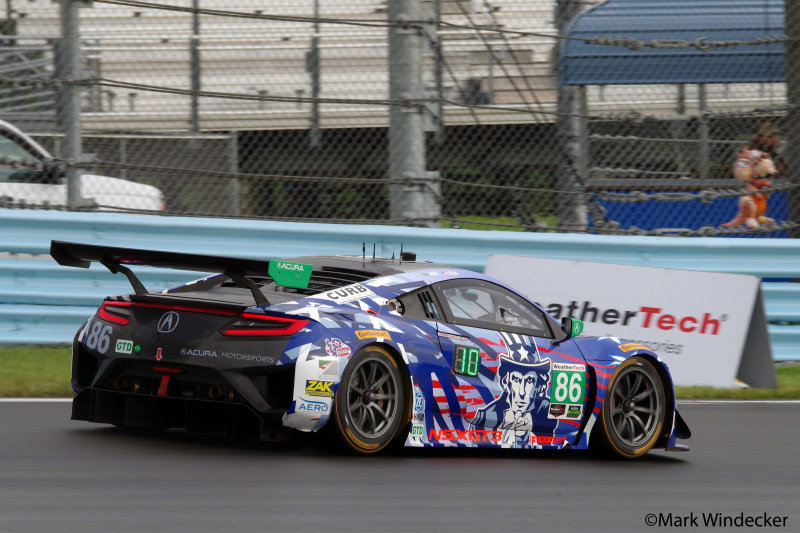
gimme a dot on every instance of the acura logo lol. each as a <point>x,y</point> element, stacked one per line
<point>168,322</point>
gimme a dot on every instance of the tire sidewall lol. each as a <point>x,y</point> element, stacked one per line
<point>612,440</point>
<point>351,436</point>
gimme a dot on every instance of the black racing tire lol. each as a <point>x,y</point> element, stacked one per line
<point>370,404</point>
<point>632,417</point>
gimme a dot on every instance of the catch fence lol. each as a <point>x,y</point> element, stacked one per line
<point>527,115</point>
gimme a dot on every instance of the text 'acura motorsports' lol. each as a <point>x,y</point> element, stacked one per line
<point>380,351</point>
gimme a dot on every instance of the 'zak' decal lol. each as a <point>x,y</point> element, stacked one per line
<point>319,388</point>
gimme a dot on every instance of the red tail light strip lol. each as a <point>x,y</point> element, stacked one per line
<point>259,326</point>
<point>108,316</point>
<point>275,326</point>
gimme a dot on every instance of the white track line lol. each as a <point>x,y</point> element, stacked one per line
<point>35,400</point>
<point>701,402</point>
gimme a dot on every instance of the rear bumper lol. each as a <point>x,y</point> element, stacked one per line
<point>208,417</point>
<point>237,402</point>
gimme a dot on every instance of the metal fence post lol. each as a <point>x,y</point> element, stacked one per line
<point>71,98</point>
<point>194,59</point>
<point>792,66</point>
<point>703,131</point>
<point>572,133</point>
<point>233,168</point>
<point>313,67</point>
<point>416,201</point>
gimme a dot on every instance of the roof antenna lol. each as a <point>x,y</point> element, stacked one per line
<point>401,253</point>
<point>363,253</point>
<point>373,252</point>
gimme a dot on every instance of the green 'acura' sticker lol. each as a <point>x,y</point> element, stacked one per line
<point>577,327</point>
<point>289,274</point>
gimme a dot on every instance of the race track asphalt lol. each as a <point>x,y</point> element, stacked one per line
<point>62,476</point>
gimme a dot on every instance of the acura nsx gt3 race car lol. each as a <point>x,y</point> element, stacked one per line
<point>375,350</point>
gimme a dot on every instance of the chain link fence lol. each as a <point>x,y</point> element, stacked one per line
<point>283,110</point>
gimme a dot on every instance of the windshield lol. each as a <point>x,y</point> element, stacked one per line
<point>12,152</point>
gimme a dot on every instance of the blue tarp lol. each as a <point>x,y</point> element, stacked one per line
<point>646,21</point>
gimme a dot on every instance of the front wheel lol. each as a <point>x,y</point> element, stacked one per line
<point>633,410</point>
<point>370,402</point>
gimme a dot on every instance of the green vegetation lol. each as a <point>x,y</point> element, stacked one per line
<point>37,371</point>
<point>494,223</point>
<point>788,387</point>
<point>43,371</point>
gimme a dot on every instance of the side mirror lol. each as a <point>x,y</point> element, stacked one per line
<point>571,326</point>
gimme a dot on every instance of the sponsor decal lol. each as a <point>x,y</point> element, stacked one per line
<point>349,293</point>
<point>288,274</point>
<point>168,322</point>
<point>124,346</point>
<point>632,346</point>
<point>557,410</point>
<point>419,402</point>
<point>329,368</point>
<point>574,411</point>
<point>645,317</point>
<point>467,435</point>
<point>417,430</point>
<point>319,388</point>
<point>312,406</point>
<point>336,348</point>
<point>548,440</point>
<point>372,334</point>
<point>197,352</point>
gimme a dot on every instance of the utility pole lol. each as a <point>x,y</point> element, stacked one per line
<point>415,202</point>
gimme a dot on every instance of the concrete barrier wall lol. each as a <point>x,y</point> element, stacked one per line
<point>42,302</point>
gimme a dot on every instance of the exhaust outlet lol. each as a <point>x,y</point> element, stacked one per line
<point>215,392</point>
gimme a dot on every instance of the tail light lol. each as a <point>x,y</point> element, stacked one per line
<point>253,325</point>
<point>115,312</point>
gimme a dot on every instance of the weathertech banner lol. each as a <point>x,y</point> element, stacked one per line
<point>698,322</point>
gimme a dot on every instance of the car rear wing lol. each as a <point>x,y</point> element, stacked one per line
<point>240,270</point>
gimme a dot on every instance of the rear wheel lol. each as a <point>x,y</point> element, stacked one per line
<point>633,411</point>
<point>370,402</point>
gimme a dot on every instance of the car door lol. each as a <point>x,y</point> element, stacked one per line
<point>498,346</point>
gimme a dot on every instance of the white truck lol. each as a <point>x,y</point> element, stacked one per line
<point>23,186</point>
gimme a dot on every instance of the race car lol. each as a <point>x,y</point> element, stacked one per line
<point>373,351</point>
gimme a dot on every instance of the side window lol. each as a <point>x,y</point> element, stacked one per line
<point>486,305</point>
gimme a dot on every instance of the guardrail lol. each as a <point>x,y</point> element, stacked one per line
<point>42,302</point>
